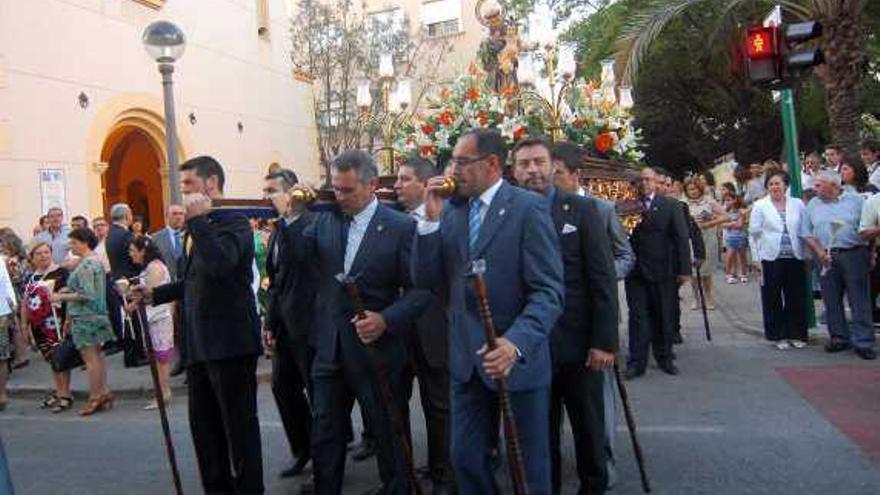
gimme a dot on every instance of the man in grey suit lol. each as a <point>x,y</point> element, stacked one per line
<point>511,231</point>
<point>169,239</point>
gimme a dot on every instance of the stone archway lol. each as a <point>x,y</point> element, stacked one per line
<point>133,175</point>
<point>114,126</point>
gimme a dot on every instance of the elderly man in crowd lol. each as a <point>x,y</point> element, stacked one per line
<point>830,226</point>
<point>55,235</point>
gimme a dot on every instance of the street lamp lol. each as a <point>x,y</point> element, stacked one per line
<point>165,43</point>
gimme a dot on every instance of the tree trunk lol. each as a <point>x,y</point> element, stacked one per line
<point>844,47</point>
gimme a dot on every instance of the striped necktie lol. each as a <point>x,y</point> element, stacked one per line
<point>474,223</point>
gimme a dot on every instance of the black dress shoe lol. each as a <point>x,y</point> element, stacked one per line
<point>669,367</point>
<point>633,373</point>
<point>363,451</point>
<point>298,467</point>
<point>866,353</point>
<point>676,339</point>
<point>833,347</point>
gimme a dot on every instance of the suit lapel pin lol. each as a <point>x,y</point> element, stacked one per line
<point>501,212</point>
<point>565,207</point>
<point>379,228</point>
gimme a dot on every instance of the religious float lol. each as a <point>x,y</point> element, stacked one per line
<point>532,90</point>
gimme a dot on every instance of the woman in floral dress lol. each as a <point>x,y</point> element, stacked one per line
<point>88,323</point>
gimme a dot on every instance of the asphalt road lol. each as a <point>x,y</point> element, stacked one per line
<point>731,423</point>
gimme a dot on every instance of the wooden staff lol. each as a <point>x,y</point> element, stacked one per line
<point>378,364</point>
<point>122,286</point>
<point>703,304</point>
<point>511,434</point>
<point>631,426</point>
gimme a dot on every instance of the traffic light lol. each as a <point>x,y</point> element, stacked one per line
<point>774,55</point>
<point>762,53</point>
<point>798,60</point>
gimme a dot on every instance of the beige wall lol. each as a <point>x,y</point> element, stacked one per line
<point>51,50</point>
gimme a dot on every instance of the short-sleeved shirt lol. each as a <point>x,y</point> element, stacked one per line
<point>822,218</point>
<point>870,214</point>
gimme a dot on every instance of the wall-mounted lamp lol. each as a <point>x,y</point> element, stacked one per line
<point>83,100</point>
<point>192,118</point>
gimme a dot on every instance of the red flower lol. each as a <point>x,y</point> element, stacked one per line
<point>483,118</point>
<point>445,118</point>
<point>604,142</point>
<point>519,131</point>
<point>427,150</point>
<point>427,129</point>
<point>473,94</point>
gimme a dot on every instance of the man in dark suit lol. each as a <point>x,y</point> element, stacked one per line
<point>511,230</point>
<point>370,243</point>
<point>665,187</point>
<point>585,338</point>
<point>429,344</point>
<point>288,327</point>
<point>663,262</point>
<point>222,334</point>
<point>118,239</point>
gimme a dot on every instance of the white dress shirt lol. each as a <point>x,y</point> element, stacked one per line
<point>356,232</point>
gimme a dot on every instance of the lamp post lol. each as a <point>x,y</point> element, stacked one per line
<point>165,43</point>
<point>396,96</point>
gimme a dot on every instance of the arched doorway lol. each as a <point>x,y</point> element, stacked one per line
<point>133,175</point>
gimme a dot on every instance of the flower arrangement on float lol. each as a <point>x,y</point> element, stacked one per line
<point>603,129</point>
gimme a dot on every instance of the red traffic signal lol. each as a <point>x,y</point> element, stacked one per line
<point>761,43</point>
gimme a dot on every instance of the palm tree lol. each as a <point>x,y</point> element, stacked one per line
<point>843,44</point>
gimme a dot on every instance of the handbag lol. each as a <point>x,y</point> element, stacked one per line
<point>134,353</point>
<point>64,355</point>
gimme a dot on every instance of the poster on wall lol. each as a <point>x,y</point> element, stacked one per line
<point>53,189</point>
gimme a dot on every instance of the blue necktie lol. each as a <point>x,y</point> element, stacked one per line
<point>178,244</point>
<point>474,223</point>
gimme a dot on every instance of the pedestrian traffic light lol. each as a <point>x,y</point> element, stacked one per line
<point>762,54</point>
<point>774,55</point>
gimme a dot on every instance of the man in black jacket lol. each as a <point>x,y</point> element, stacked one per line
<point>121,266</point>
<point>695,238</point>
<point>585,338</point>
<point>221,334</point>
<point>288,327</point>
<point>663,262</point>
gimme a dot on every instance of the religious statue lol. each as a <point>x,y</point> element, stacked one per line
<point>499,53</point>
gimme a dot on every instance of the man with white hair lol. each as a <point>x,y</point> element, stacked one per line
<point>118,239</point>
<point>830,226</point>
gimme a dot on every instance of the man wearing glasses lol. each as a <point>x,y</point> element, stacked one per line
<point>511,230</point>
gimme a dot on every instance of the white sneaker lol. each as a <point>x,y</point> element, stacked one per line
<point>798,344</point>
<point>782,345</point>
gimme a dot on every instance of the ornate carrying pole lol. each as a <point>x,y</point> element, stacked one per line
<point>511,434</point>
<point>375,357</point>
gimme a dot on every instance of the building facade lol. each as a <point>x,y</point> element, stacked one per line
<point>81,110</point>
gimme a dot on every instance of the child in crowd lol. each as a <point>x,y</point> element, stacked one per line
<point>734,238</point>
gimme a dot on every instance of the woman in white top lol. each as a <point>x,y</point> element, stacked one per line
<point>8,303</point>
<point>145,254</point>
<point>773,228</point>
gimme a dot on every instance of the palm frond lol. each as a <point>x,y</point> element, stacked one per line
<point>645,28</point>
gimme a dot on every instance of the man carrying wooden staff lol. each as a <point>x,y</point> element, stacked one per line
<point>512,231</point>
